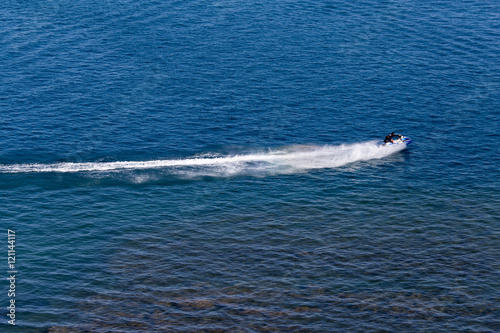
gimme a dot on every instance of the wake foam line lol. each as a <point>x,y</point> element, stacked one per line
<point>286,160</point>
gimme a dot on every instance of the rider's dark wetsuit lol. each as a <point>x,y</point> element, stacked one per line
<point>388,138</point>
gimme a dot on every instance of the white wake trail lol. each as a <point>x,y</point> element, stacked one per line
<point>286,160</point>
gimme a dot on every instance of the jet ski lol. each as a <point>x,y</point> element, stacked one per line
<point>398,140</point>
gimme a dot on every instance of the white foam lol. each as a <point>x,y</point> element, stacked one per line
<point>286,160</point>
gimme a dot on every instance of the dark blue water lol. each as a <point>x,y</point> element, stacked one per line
<point>212,165</point>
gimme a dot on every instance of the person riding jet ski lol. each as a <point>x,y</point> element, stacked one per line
<point>389,137</point>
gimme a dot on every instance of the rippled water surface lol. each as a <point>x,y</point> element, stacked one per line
<point>213,166</point>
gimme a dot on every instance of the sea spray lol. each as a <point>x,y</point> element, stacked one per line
<point>285,160</point>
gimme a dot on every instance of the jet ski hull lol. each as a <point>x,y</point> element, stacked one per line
<point>399,141</point>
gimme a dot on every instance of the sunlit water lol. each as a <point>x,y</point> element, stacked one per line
<point>215,166</point>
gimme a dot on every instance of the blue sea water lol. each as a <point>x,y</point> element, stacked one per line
<point>212,166</point>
